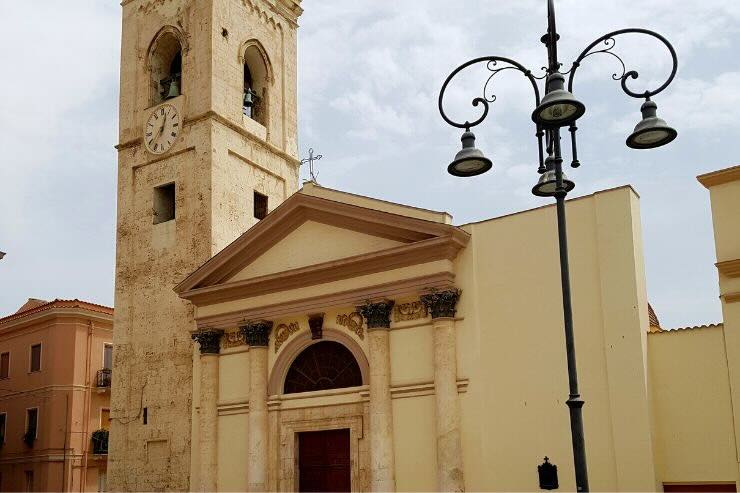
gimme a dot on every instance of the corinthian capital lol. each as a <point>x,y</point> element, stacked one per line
<point>257,333</point>
<point>209,340</point>
<point>378,314</point>
<point>441,304</point>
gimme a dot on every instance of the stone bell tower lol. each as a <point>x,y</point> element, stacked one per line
<point>207,146</point>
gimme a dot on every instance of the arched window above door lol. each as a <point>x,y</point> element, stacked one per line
<point>323,366</point>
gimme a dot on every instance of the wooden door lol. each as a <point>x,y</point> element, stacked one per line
<point>323,461</point>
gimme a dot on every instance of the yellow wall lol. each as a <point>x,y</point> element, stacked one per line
<point>658,408</point>
<point>692,406</point>
<point>511,349</point>
<point>512,345</point>
<point>724,191</point>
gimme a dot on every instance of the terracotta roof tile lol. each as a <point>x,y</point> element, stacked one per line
<point>654,322</point>
<point>85,305</point>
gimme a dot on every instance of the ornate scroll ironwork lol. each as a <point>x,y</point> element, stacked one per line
<point>610,42</point>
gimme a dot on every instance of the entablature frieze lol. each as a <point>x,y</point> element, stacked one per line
<point>398,289</point>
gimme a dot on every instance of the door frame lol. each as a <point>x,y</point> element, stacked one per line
<point>289,447</point>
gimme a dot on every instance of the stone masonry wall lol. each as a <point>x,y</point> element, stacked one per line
<point>216,163</point>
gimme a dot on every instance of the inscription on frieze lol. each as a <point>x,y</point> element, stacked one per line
<point>413,310</point>
<point>353,321</point>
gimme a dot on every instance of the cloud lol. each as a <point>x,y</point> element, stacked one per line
<point>369,76</point>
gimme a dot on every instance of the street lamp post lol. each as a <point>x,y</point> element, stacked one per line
<point>557,109</point>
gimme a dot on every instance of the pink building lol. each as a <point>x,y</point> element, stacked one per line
<point>55,360</point>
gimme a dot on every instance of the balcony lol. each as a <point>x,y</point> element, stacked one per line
<point>102,379</point>
<point>100,442</point>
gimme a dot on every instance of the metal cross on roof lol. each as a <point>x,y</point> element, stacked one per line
<point>311,159</point>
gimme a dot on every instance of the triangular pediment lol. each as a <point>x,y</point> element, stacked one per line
<point>313,243</point>
<point>309,240</point>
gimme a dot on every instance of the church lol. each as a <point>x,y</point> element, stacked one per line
<point>271,338</point>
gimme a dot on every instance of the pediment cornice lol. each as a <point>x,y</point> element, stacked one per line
<point>422,241</point>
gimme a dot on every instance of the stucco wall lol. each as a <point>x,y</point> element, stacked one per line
<point>64,393</point>
<point>512,374</point>
<point>512,344</point>
<point>724,191</point>
<point>694,436</point>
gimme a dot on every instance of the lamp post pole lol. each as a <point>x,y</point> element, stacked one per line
<point>558,108</point>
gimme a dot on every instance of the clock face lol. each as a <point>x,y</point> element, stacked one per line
<point>162,129</point>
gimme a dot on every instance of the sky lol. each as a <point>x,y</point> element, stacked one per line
<point>369,74</point>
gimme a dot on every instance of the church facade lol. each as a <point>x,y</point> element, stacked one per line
<point>275,339</point>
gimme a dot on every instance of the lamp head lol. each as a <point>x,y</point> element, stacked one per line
<point>652,131</point>
<point>547,184</point>
<point>469,161</point>
<point>559,107</point>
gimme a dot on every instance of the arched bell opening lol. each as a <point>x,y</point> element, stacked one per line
<point>165,66</point>
<point>257,79</point>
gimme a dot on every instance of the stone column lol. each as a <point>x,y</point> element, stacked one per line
<point>209,342</point>
<point>382,462</point>
<point>441,304</point>
<point>257,335</point>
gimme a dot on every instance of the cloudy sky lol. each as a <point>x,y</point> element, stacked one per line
<point>369,76</point>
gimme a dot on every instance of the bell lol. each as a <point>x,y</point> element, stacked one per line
<point>652,131</point>
<point>559,107</point>
<point>174,90</point>
<point>249,98</point>
<point>469,161</point>
<point>547,184</point>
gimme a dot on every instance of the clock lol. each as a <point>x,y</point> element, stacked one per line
<point>161,129</point>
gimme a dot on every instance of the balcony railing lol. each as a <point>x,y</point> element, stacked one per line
<point>100,442</point>
<point>103,378</point>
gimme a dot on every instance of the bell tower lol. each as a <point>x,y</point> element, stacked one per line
<point>207,146</point>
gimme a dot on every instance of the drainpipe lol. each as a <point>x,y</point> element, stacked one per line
<point>66,434</point>
<point>86,412</point>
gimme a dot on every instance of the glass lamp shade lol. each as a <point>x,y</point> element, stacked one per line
<point>469,161</point>
<point>547,184</point>
<point>652,131</point>
<point>559,107</point>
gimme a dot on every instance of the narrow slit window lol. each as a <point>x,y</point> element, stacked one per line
<point>108,356</point>
<point>36,357</point>
<point>260,205</point>
<point>3,419</point>
<point>146,415</point>
<point>164,203</point>
<point>4,365</point>
<point>32,421</point>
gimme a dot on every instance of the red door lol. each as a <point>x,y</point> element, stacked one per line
<point>323,461</point>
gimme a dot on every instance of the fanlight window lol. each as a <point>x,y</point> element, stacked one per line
<point>166,68</point>
<point>323,366</point>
